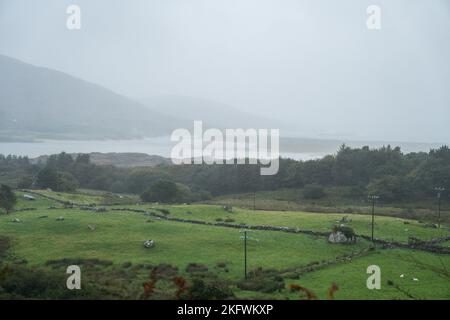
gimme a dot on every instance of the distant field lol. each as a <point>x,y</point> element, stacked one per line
<point>387,228</point>
<point>337,200</point>
<point>119,237</point>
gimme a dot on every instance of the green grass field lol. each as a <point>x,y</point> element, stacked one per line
<point>119,236</point>
<point>337,200</point>
<point>387,228</point>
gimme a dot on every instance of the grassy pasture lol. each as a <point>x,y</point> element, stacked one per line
<point>119,237</point>
<point>388,228</point>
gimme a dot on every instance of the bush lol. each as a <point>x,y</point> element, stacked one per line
<point>265,281</point>
<point>164,211</point>
<point>8,198</point>
<point>4,245</point>
<point>313,191</point>
<point>209,289</point>
<point>161,191</point>
<point>196,267</point>
<point>20,282</point>
<point>165,270</point>
<point>67,182</point>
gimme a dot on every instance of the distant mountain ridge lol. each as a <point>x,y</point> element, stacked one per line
<point>38,102</point>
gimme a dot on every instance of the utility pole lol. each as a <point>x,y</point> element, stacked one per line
<point>245,254</point>
<point>439,193</point>
<point>245,238</point>
<point>373,198</point>
<point>254,200</point>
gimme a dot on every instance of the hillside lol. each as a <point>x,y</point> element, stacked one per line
<point>42,103</point>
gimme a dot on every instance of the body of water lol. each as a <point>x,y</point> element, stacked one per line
<point>304,149</point>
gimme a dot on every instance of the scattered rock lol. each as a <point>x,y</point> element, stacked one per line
<point>29,197</point>
<point>92,227</point>
<point>16,220</point>
<point>60,218</point>
<point>228,208</point>
<point>42,217</point>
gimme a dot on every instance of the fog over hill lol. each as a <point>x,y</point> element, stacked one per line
<point>212,113</point>
<point>312,63</point>
<point>42,103</point>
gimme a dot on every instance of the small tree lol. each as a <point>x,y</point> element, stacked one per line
<point>7,198</point>
<point>47,178</point>
<point>161,191</point>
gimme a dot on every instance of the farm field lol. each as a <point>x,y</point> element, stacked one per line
<point>337,200</point>
<point>51,232</point>
<point>387,228</point>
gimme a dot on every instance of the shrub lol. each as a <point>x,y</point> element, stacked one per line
<point>161,191</point>
<point>196,267</point>
<point>4,245</point>
<point>313,191</point>
<point>209,289</point>
<point>265,281</point>
<point>165,270</point>
<point>21,282</point>
<point>163,211</point>
<point>7,198</point>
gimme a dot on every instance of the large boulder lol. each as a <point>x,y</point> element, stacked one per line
<point>342,234</point>
<point>28,197</point>
<point>337,237</point>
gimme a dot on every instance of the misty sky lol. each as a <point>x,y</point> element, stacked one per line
<point>313,63</point>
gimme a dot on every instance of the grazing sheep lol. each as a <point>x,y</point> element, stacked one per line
<point>149,243</point>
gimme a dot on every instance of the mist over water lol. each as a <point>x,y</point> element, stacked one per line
<point>162,146</point>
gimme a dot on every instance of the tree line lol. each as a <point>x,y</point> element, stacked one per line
<point>385,171</point>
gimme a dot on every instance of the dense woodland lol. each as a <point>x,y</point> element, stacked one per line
<point>386,171</point>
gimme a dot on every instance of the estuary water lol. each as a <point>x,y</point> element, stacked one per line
<point>303,149</point>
